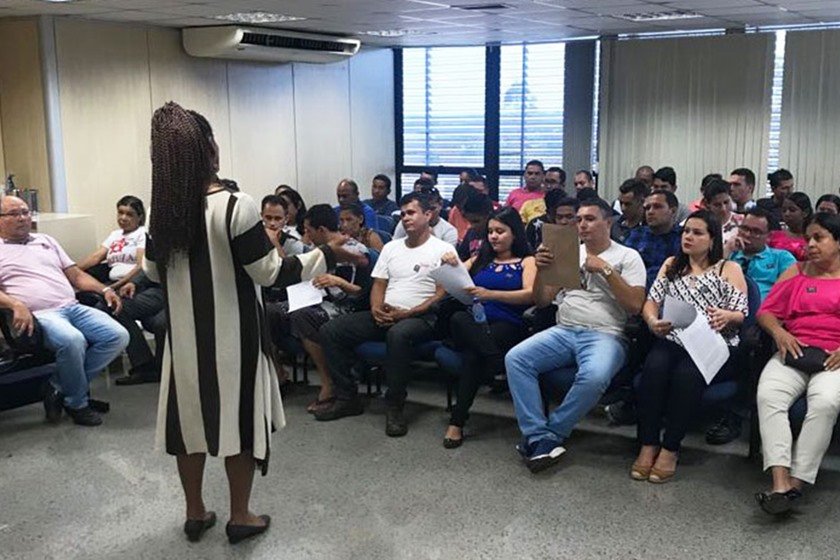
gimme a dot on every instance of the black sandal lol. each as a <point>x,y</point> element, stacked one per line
<point>239,533</point>
<point>195,528</point>
<point>777,503</point>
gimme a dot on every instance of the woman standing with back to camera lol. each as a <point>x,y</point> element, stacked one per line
<point>209,250</point>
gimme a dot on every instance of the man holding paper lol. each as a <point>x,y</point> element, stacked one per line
<point>684,360</point>
<point>401,314</point>
<point>588,337</point>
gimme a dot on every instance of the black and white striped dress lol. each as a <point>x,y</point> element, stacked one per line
<point>218,392</point>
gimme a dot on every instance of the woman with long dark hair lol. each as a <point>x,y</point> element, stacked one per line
<point>209,250</point>
<point>796,215</point>
<point>671,384</point>
<point>503,272</point>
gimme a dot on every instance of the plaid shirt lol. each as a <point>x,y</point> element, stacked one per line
<point>653,248</point>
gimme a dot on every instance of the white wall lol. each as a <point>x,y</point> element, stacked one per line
<point>300,124</point>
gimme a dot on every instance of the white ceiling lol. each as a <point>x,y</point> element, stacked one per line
<point>442,22</point>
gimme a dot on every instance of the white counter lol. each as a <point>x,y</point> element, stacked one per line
<point>75,232</point>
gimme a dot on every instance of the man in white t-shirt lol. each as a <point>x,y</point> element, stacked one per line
<point>401,314</point>
<point>441,229</point>
<point>588,338</point>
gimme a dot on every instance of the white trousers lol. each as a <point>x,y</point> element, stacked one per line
<point>779,387</point>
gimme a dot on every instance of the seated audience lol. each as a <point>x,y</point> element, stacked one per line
<point>348,291</point>
<point>671,385</point>
<point>718,201</point>
<point>441,229</point>
<point>467,175</point>
<point>476,209</point>
<point>555,178</point>
<point>659,237</point>
<point>401,301</point>
<point>758,261</point>
<point>828,204</point>
<point>142,299</point>
<point>796,214</point>
<point>665,178</point>
<point>282,236</point>
<point>532,189</point>
<point>429,175</point>
<point>802,314</point>
<point>584,180</point>
<point>561,209</point>
<point>742,183</point>
<point>37,282</point>
<point>295,209</point>
<point>631,202</point>
<point>503,273</point>
<point>781,184</point>
<point>645,175</point>
<point>700,203</point>
<point>347,192</point>
<point>380,188</point>
<point>353,223</point>
<point>589,336</point>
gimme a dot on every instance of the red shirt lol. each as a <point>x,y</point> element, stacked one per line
<point>518,197</point>
<point>809,308</point>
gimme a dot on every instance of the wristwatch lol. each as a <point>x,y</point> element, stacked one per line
<point>608,270</point>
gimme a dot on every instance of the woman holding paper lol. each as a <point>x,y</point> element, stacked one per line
<point>503,272</point>
<point>802,314</point>
<point>671,384</point>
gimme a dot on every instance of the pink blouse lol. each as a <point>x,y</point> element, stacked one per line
<point>795,245</point>
<point>809,308</point>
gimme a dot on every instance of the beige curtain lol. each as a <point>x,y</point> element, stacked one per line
<point>810,135</point>
<point>698,104</point>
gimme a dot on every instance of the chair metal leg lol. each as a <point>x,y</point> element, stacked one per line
<point>305,369</point>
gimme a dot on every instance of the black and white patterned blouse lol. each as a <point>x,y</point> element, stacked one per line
<point>706,290</point>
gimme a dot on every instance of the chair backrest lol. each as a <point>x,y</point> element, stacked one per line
<point>384,235</point>
<point>385,223</point>
<point>753,301</point>
<point>373,256</point>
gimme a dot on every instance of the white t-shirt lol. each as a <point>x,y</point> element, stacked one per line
<point>407,271</point>
<point>596,307</point>
<point>442,230</point>
<point>122,251</point>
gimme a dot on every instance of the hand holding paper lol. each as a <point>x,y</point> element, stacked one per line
<point>455,280</point>
<point>304,294</point>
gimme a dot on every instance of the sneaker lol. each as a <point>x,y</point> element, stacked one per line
<point>339,409</point>
<point>84,416</point>
<point>395,424</point>
<point>53,404</point>
<point>543,454</point>
<point>727,429</point>
<point>621,413</point>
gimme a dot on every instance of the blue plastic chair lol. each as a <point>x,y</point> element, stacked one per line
<point>385,223</point>
<point>373,354</point>
<point>384,235</point>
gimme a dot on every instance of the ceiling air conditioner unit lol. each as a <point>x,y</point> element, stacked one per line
<point>270,45</point>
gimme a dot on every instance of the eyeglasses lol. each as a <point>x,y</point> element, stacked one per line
<point>16,214</point>
<point>751,231</point>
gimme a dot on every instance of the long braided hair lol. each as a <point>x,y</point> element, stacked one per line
<point>183,165</point>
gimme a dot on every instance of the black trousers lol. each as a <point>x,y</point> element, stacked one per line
<point>340,337</point>
<point>484,347</point>
<point>148,307</point>
<point>671,387</point>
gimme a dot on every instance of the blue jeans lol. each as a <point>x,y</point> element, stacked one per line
<point>84,341</point>
<point>598,357</point>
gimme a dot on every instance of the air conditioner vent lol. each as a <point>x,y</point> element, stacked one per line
<point>284,42</point>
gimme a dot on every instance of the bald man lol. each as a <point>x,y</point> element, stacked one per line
<point>38,281</point>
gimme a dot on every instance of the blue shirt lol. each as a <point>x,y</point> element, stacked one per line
<point>764,267</point>
<point>383,207</point>
<point>654,248</point>
<point>370,215</point>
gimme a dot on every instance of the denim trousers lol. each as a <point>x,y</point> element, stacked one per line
<point>598,357</point>
<point>84,341</point>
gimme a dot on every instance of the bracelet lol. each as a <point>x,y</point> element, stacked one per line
<point>107,289</point>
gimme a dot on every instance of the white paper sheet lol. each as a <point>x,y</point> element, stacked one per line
<point>707,348</point>
<point>455,280</point>
<point>303,295</point>
<point>677,312</point>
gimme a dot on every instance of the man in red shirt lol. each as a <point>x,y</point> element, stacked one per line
<point>533,176</point>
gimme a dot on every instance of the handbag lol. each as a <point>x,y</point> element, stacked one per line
<point>812,360</point>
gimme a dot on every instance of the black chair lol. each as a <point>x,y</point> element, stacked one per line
<point>25,366</point>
